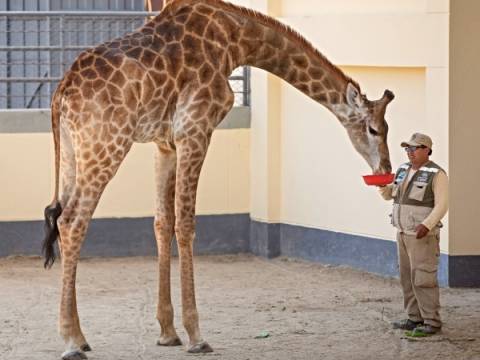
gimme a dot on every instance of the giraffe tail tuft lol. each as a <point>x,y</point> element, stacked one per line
<point>54,210</point>
<point>52,213</point>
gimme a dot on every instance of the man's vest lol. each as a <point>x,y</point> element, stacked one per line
<point>414,201</point>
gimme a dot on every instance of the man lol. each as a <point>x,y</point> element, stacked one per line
<point>420,194</point>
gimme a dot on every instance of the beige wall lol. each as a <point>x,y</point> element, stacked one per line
<point>321,174</point>
<point>28,188</point>
<point>224,180</point>
<point>26,178</point>
<point>382,44</point>
<point>303,7</point>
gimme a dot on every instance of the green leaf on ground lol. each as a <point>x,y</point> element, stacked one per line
<point>263,335</point>
<point>415,334</point>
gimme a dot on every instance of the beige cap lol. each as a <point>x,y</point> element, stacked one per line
<point>418,139</point>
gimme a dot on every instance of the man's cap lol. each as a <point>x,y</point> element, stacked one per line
<point>418,139</point>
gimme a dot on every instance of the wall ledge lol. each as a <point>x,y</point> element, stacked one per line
<point>14,121</point>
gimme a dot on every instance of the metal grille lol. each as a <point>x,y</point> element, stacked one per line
<point>37,47</point>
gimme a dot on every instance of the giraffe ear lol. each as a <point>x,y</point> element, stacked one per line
<point>354,98</point>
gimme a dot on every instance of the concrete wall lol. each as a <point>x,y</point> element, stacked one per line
<point>381,44</point>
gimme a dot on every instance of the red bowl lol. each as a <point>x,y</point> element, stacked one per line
<point>382,179</point>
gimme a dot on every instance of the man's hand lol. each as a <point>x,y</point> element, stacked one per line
<point>421,231</point>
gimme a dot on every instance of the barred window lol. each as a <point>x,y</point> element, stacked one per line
<point>39,39</point>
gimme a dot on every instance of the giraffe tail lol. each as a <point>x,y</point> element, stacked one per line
<point>54,210</point>
<point>52,213</point>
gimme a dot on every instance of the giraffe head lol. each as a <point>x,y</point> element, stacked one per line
<point>367,128</point>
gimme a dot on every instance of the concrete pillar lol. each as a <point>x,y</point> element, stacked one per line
<point>266,154</point>
<point>464,130</point>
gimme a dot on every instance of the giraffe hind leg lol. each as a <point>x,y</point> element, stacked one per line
<point>68,169</point>
<point>53,211</point>
<point>74,355</point>
<point>81,199</point>
<point>73,224</point>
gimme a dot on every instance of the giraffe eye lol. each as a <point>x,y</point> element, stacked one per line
<point>372,131</point>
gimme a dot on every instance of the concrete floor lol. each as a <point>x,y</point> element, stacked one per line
<point>309,311</point>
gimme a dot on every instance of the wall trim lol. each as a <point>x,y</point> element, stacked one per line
<point>264,239</point>
<point>464,271</point>
<point>237,233</point>
<point>216,234</point>
<point>370,254</point>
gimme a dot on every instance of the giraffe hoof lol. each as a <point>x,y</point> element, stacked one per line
<point>175,341</point>
<point>85,347</point>
<point>202,347</point>
<point>74,355</point>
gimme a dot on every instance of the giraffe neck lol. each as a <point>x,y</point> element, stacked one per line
<point>233,36</point>
<point>260,41</point>
<point>296,63</point>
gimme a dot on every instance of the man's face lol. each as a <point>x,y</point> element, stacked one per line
<point>418,155</point>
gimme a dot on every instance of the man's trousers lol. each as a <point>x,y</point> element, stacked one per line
<point>418,264</point>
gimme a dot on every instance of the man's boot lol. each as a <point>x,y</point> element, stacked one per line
<point>406,324</point>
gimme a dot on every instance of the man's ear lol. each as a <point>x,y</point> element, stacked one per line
<point>354,98</point>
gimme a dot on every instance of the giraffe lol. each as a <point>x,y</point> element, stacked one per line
<point>167,83</point>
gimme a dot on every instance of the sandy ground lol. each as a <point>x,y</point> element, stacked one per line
<point>310,311</point>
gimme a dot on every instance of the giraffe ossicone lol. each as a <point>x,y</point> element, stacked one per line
<point>167,83</point>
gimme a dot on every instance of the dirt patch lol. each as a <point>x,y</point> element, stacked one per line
<point>250,308</point>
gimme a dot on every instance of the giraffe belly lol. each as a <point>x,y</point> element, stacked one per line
<point>150,129</point>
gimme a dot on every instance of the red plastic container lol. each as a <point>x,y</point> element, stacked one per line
<point>378,180</point>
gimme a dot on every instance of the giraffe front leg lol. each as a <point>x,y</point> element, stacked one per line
<point>168,335</point>
<point>165,167</point>
<point>191,153</point>
<point>185,238</point>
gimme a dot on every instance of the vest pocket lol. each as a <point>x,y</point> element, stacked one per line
<point>394,216</point>
<point>411,222</point>
<point>426,277</point>
<point>395,189</point>
<point>417,192</point>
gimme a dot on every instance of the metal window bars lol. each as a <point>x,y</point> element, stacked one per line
<point>37,47</point>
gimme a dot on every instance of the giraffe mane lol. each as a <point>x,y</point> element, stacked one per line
<point>268,21</point>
